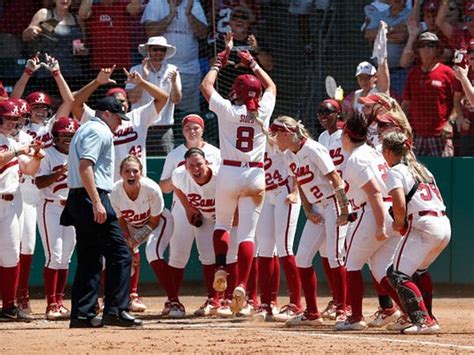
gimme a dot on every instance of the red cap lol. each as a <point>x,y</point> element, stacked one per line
<point>430,6</point>
<point>8,108</point>
<point>3,92</point>
<point>65,125</point>
<point>376,99</point>
<point>38,98</point>
<point>468,7</point>
<point>23,106</point>
<point>194,119</point>
<point>117,90</point>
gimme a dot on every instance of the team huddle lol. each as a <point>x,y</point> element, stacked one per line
<point>366,198</point>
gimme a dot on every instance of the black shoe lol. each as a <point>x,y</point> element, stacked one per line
<point>84,322</point>
<point>14,314</point>
<point>123,319</point>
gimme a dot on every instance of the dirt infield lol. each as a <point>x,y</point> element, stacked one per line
<point>217,335</point>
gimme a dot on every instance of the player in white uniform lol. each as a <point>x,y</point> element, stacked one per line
<point>243,121</point>
<point>183,236</point>
<point>325,204</point>
<point>367,238</point>
<point>13,159</point>
<point>139,205</point>
<point>276,232</point>
<point>426,230</point>
<point>58,241</point>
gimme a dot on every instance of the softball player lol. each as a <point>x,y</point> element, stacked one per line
<point>58,241</point>
<point>426,230</point>
<point>192,128</point>
<point>276,230</point>
<point>243,122</point>
<point>13,159</point>
<point>322,190</point>
<point>368,236</point>
<point>139,205</point>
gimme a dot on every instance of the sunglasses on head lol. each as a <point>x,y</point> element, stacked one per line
<point>157,49</point>
<point>427,45</point>
<point>468,18</point>
<point>240,17</point>
<point>326,112</point>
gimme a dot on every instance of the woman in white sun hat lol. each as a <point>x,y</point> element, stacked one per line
<point>156,69</point>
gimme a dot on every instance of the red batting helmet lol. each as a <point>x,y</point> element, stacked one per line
<point>247,88</point>
<point>64,125</point>
<point>38,98</point>
<point>25,109</point>
<point>8,108</point>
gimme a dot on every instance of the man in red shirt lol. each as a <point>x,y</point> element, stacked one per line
<point>428,98</point>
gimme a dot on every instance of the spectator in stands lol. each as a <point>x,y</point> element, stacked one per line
<point>156,69</point>
<point>428,99</point>
<point>244,40</point>
<point>222,12</point>
<point>59,33</point>
<point>181,22</point>
<point>459,34</point>
<point>109,25</point>
<point>395,17</point>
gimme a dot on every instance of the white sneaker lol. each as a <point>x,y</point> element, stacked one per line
<point>263,314</point>
<point>330,311</point>
<point>383,317</point>
<point>305,319</point>
<point>52,312</point>
<point>166,308</point>
<point>431,328</point>
<point>341,317</point>
<point>24,305</point>
<point>350,324</point>
<point>224,310</point>
<point>287,312</point>
<point>248,310</point>
<point>208,308</point>
<point>275,309</point>
<point>402,322</point>
<point>220,280</point>
<point>177,310</point>
<point>136,304</point>
<point>238,299</point>
<point>65,313</point>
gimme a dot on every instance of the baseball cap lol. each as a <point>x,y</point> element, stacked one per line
<point>194,119</point>
<point>428,37</point>
<point>116,90</point>
<point>371,99</point>
<point>365,68</point>
<point>468,7</point>
<point>430,6</point>
<point>112,105</point>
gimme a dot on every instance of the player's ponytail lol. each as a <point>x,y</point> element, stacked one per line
<point>289,124</point>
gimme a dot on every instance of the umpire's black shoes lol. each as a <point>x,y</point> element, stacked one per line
<point>86,322</point>
<point>123,319</point>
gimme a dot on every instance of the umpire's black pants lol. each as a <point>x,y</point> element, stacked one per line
<point>95,241</point>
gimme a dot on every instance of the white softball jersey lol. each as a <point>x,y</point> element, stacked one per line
<point>426,198</point>
<point>201,197</point>
<point>10,171</point>
<point>309,166</point>
<point>53,161</point>
<point>276,171</point>
<point>130,136</point>
<point>41,132</point>
<point>148,203</point>
<point>240,136</point>
<point>364,164</point>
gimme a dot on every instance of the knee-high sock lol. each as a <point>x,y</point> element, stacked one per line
<point>8,285</point>
<point>136,273</point>
<point>244,260</point>
<point>266,268</point>
<point>232,276</point>
<point>355,293</point>
<point>425,284</point>
<point>383,294</point>
<point>389,290</point>
<point>412,286</point>
<point>24,277</point>
<point>61,285</point>
<point>208,271</point>
<point>292,279</point>
<point>329,276</point>
<point>163,274</point>
<point>50,284</point>
<point>339,279</point>
<point>220,239</point>
<point>276,279</point>
<point>309,283</point>
<point>252,284</point>
<point>177,278</point>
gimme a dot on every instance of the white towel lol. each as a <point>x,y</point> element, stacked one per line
<point>380,43</point>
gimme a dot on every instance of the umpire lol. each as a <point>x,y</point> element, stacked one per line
<point>98,234</point>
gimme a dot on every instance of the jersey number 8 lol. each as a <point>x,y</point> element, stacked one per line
<point>244,141</point>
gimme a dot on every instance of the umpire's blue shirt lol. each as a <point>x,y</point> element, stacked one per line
<point>92,141</point>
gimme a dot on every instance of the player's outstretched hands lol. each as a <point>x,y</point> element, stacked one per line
<point>133,77</point>
<point>246,58</point>
<point>33,64</point>
<point>51,63</point>
<point>104,76</point>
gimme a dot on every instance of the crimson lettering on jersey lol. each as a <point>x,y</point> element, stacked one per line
<point>336,156</point>
<point>47,138</point>
<point>427,191</point>
<point>247,119</point>
<point>125,135</point>
<point>383,168</point>
<point>133,218</point>
<point>303,174</point>
<point>60,178</point>
<point>205,205</point>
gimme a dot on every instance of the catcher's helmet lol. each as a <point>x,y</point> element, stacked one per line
<point>38,98</point>
<point>247,88</point>
<point>8,108</point>
<point>64,125</point>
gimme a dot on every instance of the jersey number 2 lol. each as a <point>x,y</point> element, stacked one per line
<point>244,141</point>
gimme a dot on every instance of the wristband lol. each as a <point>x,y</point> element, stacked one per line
<point>254,65</point>
<point>56,72</point>
<point>215,68</point>
<point>28,71</point>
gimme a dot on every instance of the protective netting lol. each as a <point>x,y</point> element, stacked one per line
<point>299,43</point>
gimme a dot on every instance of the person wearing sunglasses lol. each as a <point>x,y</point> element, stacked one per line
<point>428,98</point>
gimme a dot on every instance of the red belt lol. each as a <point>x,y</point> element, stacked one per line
<point>275,186</point>
<point>61,202</point>
<point>243,164</point>
<point>432,213</point>
<point>387,199</point>
<point>7,197</point>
